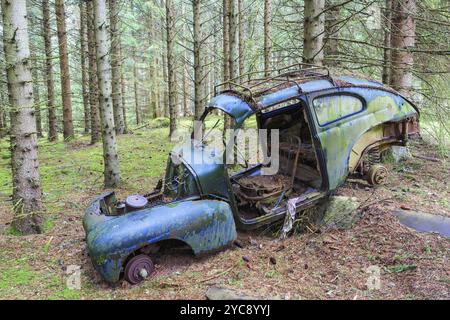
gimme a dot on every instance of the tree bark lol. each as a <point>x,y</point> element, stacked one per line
<point>313,31</point>
<point>331,31</point>
<point>36,95</point>
<point>51,112</point>
<point>208,60</point>
<point>2,113</point>
<point>186,108</point>
<point>232,15</point>
<point>185,76</point>
<point>170,38</point>
<point>241,39</point>
<point>403,39</point>
<point>232,49</point>
<point>35,75</point>
<point>157,86</point>
<point>198,56</point>
<point>136,95</point>
<point>226,40</point>
<point>164,63</point>
<point>267,36</point>
<point>93,81</point>
<point>27,196</point>
<point>387,43</point>
<point>64,66</point>
<point>84,71</point>
<point>116,68</point>
<point>110,156</point>
<point>165,85</point>
<point>123,89</point>
<point>152,69</point>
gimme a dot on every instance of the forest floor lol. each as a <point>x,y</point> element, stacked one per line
<point>332,264</point>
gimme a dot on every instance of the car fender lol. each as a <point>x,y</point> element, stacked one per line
<point>205,225</point>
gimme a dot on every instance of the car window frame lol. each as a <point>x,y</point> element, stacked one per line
<point>335,94</point>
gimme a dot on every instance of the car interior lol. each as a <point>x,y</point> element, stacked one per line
<point>298,173</point>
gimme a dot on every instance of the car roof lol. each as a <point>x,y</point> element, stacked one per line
<point>242,98</point>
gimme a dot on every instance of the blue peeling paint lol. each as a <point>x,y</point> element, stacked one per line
<point>232,105</point>
<point>204,225</point>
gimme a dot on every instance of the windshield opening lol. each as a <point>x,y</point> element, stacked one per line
<point>213,129</point>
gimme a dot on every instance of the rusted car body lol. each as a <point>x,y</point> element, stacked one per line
<point>330,127</point>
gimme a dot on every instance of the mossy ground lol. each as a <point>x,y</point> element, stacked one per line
<point>320,266</point>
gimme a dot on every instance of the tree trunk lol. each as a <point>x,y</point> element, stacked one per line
<point>93,82</point>
<point>241,39</point>
<point>166,110</point>
<point>232,50</point>
<point>136,95</point>
<point>35,74</point>
<point>110,156</point>
<point>165,85</point>
<point>232,14</point>
<point>331,31</point>
<point>152,68</point>
<point>84,71</point>
<point>198,56</point>
<point>313,31</point>
<point>52,123</point>
<point>267,36</point>
<point>27,196</point>
<point>2,112</point>
<point>185,73</point>
<point>4,106</point>
<point>123,89</point>
<point>387,42</point>
<point>403,40</point>
<point>170,38</point>
<point>226,40</point>
<point>157,86</point>
<point>64,66</point>
<point>36,95</point>
<point>116,68</point>
<point>186,108</point>
<point>207,61</point>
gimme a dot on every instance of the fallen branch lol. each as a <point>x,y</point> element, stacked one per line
<point>141,127</point>
<point>426,158</point>
<point>174,284</point>
<point>362,207</point>
<point>218,274</point>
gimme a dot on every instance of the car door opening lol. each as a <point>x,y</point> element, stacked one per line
<point>298,175</point>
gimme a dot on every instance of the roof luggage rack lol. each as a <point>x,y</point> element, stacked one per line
<point>252,88</point>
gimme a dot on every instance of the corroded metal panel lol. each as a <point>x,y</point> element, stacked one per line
<point>204,225</point>
<point>338,138</point>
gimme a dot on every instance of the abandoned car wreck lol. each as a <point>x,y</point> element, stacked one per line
<point>330,127</point>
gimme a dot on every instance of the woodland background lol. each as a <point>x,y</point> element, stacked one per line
<point>90,92</point>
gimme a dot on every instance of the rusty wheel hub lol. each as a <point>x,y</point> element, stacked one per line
<point>377,175</point>
<point>138,269</point>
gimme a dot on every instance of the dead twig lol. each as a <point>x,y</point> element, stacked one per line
<point>373,202</point>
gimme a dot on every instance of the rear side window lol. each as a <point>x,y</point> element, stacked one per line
<point>335,107</point>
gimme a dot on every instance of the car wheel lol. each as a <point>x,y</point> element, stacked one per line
<point>377,175</point>
<point>138,269</point>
